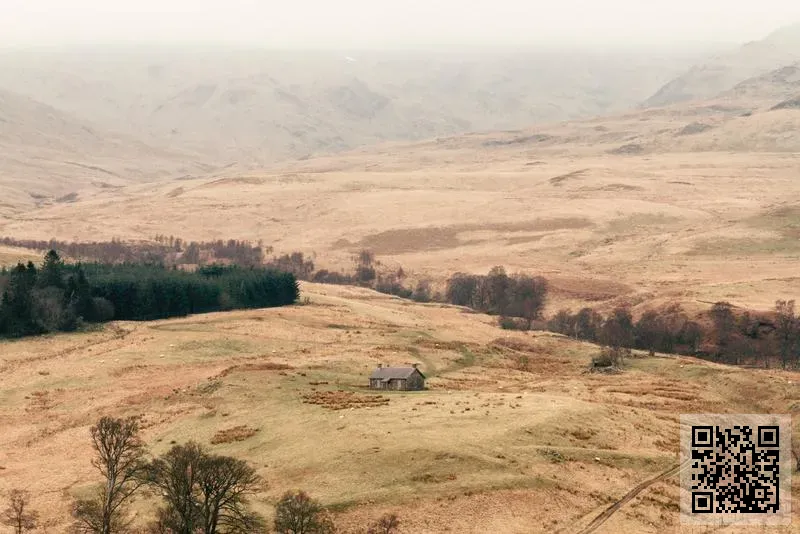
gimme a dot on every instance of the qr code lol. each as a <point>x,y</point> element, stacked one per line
<point>735,469</point>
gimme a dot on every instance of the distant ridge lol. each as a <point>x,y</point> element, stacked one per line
<point>724,71</point>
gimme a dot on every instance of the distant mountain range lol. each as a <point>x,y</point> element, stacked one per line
<point>253,108</point>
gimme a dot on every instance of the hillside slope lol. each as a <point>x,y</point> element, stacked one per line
<point>775,85</point>
<point>509,421</point>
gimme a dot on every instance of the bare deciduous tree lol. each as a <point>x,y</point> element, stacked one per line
<point>205,493</point>
<point>18,516</point>
<point>174,475</point>
<point>297,513</point>
<point>224,485</point>
<point>120,459</point>
<point>786,329</point>
<point>387,524</point>
<point>724,328</point>
<point>618,329</point>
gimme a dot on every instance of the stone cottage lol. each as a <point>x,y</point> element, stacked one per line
<point>397,378</point>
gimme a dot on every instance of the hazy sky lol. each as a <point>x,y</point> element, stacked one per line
<point>378,23</point>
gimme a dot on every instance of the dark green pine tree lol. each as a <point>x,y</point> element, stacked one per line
<point>52,273</point>
<point>18,301</point>
<point>78,295</point>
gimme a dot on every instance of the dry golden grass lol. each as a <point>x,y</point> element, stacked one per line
<point>487,448</point>
<point>231,435</point>
<point>691,218</point>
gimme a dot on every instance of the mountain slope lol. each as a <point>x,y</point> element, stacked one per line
<point>256,107</point>
<point>775,85</point>
<point>47,155</point>
<point>722,72</point>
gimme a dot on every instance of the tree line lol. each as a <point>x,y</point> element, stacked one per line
<point>200,493</point>
<point>723,333</point>
<point>151,291</point>
<point>58,297</point>
<point>162,250</point>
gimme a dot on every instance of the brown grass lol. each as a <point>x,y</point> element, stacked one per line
<point>252,367</point>
<point>484,435</point>
<point>343,400</point>
<point>234,434</point>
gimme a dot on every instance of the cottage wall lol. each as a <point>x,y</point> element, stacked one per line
<point>415,382</point>
<point>376,383</point>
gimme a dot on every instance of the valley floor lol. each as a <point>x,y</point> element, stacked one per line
<point>605,229</point>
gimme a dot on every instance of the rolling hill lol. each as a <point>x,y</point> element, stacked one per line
<point>48,156</point>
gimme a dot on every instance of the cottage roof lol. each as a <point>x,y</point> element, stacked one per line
<point>389,373</point>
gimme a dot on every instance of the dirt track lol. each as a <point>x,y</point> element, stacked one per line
<point>598,521</point>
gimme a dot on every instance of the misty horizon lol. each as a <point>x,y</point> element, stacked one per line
<point>414,25</point>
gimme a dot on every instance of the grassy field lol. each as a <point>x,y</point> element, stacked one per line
<point>512,436</point>
<point>671,220</point>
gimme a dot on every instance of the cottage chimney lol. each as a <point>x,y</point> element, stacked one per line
<point>414,365</point>
<point>380,365</point>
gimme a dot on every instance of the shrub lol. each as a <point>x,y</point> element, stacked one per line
<point>512,323</point>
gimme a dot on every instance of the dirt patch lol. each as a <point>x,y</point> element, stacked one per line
<point>342,400</point>
<point>239,180</point>
<point>514,344</point>
<point>519,240</point>
<point>559,180</point>
<point>615,187</point>
<point>785,220</point>
<point>587,289</point>
<point>231,435</point>
<point>536,138</point>
<point>408,240</point>
<point>627,150</point>
<point>413,240</point>
<point>744,246</point>
<point>264,366</point>
<point>431,478</point>
<point>792,103</point>
<point>40,401</point>
<point>129,369</point>
<point>71,197</point>
<point>694,128</point>
<point>641,220</point>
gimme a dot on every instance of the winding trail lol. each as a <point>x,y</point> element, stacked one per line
<point>611,510</point>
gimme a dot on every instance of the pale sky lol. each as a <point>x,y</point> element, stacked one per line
<point>395,23</point>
